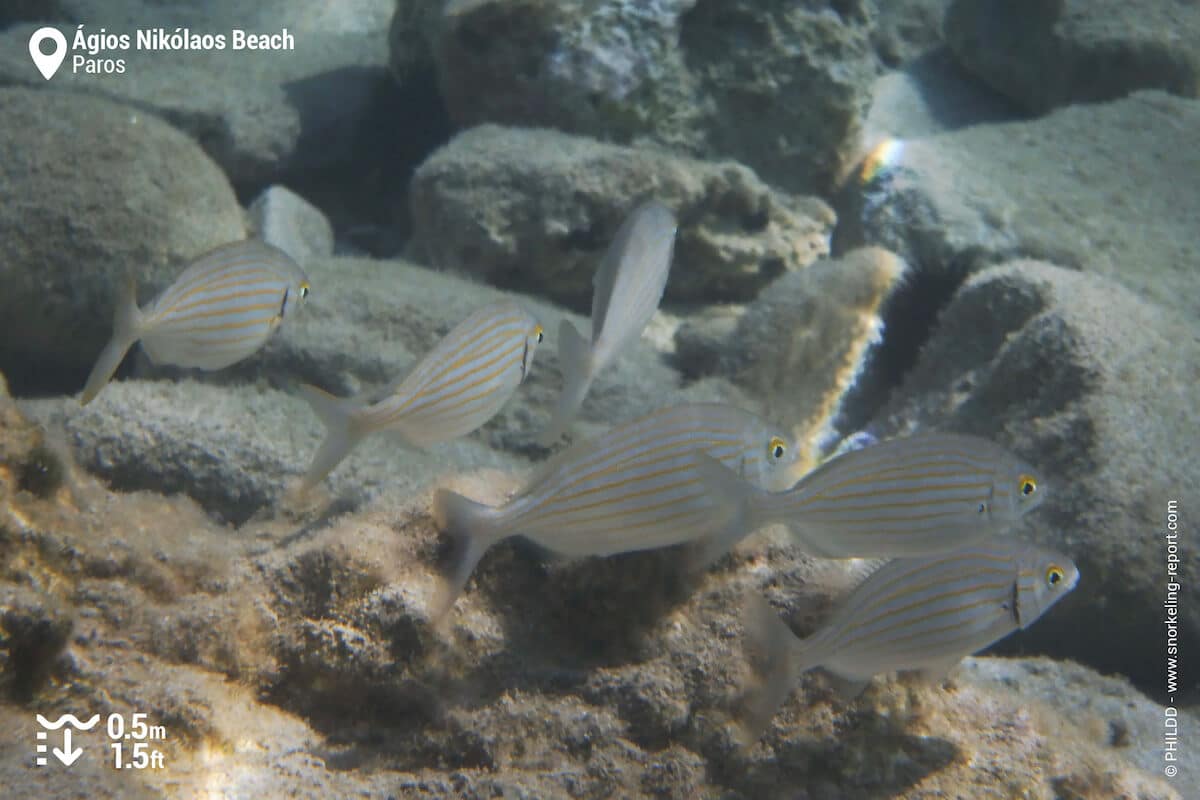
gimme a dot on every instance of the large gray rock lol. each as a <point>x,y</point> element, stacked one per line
<point>1104,188</point>
<point>1096,387</point>
<point>95,191</point>
<point>929,95</point>
<point>1120,716</point>
<point>688,73</point>
<point>1047,54</point>
<point>283,218</point>
<point>259,114</point>
<point>536,209</point>
<point>907,29</point>
<point>233,449</point>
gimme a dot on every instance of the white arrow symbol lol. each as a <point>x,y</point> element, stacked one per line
<point>66,755</point>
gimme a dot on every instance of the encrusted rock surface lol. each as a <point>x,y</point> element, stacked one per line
<point>687,73</point>
<point>292,657</point>
<point>536,209</point>
<point>1108,189</point>
<point>132,196</point>
<point>1049,54</point>
<point>1096,387</point>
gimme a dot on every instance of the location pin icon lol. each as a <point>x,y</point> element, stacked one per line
<point>48,64</point>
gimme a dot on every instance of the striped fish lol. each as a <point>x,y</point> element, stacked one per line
<point>634,488</point>
<point>457,387</point>
<point>904,497</point>
<point>220,310</point>
<point>924,614</point>
<point>626,291</point>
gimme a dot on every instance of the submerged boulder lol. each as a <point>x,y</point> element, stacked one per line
<point>1108,189</point>
<point>686,73</point>
<point>1049,54</point>
<point>1095,387</point>
<point>133,196</point>
<point>535,209</point>
<point>259,116</point>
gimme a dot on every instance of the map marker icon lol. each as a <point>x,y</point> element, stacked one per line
<point>48,64</point>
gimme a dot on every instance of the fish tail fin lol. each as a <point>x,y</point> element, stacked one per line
<point>733,496</point>
<point>575,361</point>
<point>780,657</point>
<point>127,329</point>
<point>473,528</point>
<point>337,414</point>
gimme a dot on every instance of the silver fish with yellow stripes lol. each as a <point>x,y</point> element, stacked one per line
<point>626,291</point>
<point>458,386</point>
<point>633,488</point>
<point>923,494</point>
<point>220,310</point>
<point>924,614</point>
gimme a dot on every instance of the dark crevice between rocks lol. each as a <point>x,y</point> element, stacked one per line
<point>909,317</point>
<point>226,507</point>
<point>41,472</point>
<point>31,640</point>
<point>363,189</point>
<point>31,374</point>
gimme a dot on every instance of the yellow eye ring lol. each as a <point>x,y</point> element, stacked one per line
<point>1054,575</point>
<point>537,331</point>
<point>777,447</point>
<point>1027,484</point>
<point>304,287</point>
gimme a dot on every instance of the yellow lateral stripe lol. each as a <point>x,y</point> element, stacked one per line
<point>472,346</point>
<point>171,325</point>
<point>635,439</point>
<point>541,516</point>
<point>566,493</point>
<point>552,510</point>
<point>504,363</point>
<point>876,613</point>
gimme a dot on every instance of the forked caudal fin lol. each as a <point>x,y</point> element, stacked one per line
<point>472,528</point>
<point>732,518</point>
<point>341,435</point>
<point>734,497</point>
<point>575,361</point>
<point>782,657</point>
<point>127,329</point>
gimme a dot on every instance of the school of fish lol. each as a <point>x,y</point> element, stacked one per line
<point>705,475</point>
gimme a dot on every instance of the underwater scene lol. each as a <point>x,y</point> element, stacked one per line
<point>521,399</point>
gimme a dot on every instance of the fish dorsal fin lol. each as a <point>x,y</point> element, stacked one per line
<point>605,279</point>
<point>637,240</point>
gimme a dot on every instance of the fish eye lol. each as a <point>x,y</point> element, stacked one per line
<point>776,447</point>
<point>1028,485</point>
<point>1054,575</point>
<point>537,329</point>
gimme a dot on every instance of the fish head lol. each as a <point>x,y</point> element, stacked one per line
<point>1045,577</point>
<point>775,465</point>
<point>535,335</point>
<point>1017,489</point>
<point>294,295</point>
<point>1029,489</point>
